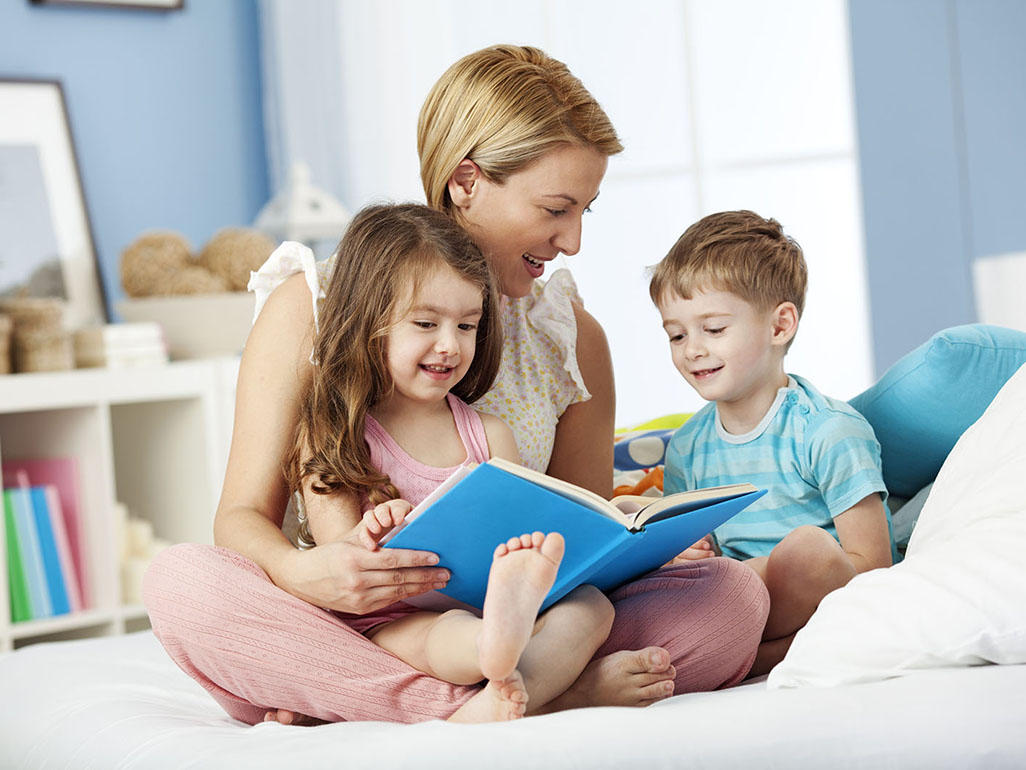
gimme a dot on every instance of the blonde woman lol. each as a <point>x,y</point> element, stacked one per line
<point>514,148</point>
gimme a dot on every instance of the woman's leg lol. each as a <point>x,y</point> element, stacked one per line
<point>707,615</point>
<point>256,648</point>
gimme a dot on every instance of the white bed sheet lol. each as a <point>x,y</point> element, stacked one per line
<point>120,702</point>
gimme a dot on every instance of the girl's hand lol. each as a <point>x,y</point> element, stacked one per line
<point>381,520</point>
<point>703,549</point>
<point>347,577</point>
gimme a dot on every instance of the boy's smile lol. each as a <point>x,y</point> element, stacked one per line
<point>727,350</point>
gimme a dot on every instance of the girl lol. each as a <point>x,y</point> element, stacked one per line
<point>410,331</point>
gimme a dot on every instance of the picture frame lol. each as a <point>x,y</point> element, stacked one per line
<point>48,248</point>
<point>150,5</point>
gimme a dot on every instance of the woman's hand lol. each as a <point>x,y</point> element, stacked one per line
<point>347,577</point>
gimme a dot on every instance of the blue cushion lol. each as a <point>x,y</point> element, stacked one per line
<point>926,400</point>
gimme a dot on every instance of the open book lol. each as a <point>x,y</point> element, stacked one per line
<point>607,542</point>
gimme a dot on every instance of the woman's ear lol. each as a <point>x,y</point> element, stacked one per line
<point>463,183</point>
<point>785,323</point>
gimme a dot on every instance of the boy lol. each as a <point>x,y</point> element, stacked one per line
<point>730,293</point>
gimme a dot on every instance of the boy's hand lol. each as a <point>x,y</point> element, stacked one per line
<point>703,549</point>
<point>381,520</point>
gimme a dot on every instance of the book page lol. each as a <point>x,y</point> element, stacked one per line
<point>565,489</point>
<point>682,502</point>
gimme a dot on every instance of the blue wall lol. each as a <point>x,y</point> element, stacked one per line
<point>165,110</point>
<point>940,93</point>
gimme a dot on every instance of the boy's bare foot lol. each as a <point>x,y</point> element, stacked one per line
<point>625,678</point>
<point>499,701</point>
<point>523,570</point>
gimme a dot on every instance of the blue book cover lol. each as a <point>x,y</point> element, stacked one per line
<point>607,542</point>
<point>31,554</point>
<point>48,549</point>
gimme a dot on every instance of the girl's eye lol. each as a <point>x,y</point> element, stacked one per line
<point>468,327</point>
<point>424,324</point>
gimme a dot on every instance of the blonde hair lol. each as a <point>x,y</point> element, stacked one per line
<point>738,252</point>
<point>504,107</point>
<point>386,252</point>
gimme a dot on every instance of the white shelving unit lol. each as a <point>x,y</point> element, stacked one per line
<point>153,438</point>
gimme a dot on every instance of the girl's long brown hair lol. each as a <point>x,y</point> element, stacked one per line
<point>386,252</point>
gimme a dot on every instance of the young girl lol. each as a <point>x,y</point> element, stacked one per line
<point>410,335</point>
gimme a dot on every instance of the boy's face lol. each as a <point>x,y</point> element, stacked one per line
<point>724,346</point>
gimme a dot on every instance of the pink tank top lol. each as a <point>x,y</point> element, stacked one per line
<point>412,478</point>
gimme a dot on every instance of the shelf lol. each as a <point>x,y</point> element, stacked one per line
<point>154,439</point>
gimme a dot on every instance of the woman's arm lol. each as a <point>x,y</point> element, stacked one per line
<point>583,450</point>
<point>274,370</point>
<point>501,442</point>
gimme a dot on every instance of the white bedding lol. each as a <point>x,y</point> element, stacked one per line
<point>120,702</point>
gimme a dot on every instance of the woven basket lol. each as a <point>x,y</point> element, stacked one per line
<point>39,342</point>
<point>5,344</point>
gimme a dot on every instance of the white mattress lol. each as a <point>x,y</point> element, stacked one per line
<point>120,702</point>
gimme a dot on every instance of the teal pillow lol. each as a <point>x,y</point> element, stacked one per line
<point>925,401</point>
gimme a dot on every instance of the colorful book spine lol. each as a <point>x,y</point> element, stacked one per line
<point>48,550</point>
<point>62,473</point>
<point>17,585</point>
<point>60,537</point>
<point>31,553</point>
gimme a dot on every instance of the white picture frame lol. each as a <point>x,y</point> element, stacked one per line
<point>48,247</point>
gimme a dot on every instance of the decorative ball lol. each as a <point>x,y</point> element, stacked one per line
<point>234,252</point>
<point>151,261</point>
<point>195,279</point>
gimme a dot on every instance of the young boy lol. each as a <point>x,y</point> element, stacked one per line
<point>730,293</point>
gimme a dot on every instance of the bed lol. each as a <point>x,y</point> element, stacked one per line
<point>920,665</point>
<point>130,707</point>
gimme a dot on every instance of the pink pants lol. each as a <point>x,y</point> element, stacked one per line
<point>255,647</point>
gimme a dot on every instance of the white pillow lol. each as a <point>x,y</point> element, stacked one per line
<point>959,597</point>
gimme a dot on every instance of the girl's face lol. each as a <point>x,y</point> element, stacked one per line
<point>534,216</point>
<point>431,344</point>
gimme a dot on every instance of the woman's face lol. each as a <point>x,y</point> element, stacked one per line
<point>534,216</point>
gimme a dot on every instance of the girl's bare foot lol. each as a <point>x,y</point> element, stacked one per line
<point>625,678</point>
<point>523,570</point>
<point>499,701</point>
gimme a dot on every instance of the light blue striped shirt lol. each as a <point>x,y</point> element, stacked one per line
<point>816,456</point>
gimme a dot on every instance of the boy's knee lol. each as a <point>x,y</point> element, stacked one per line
<point>809,552</point>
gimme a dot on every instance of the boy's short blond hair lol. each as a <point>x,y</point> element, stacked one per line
<point>738,252</point>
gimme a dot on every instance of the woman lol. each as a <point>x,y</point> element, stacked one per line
<point>514,148</point>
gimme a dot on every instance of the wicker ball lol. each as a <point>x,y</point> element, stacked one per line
<point>194,279</point>
<point>38,341</point>
<point>149,263</point>
<point>234,252</point>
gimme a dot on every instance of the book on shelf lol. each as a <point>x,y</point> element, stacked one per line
<point>608,542</point>
<point>64,554</point>
<point>48,547</point>
<point>62,474</point>
<point>31,553</point>
<point>17,584</point>
<point>121,345</point>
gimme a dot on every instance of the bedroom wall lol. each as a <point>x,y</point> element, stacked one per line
<point>940,93</point>
<point>165,110</point>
